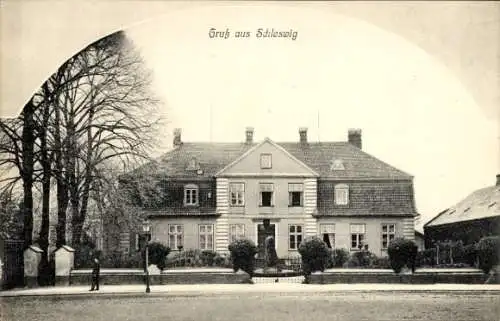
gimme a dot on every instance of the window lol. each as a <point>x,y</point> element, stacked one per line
<point>236,232</point>
<point>206,235</point>
<point>328,234</point>
<point>266,194</point>
<point>137,242</point>
<point>193,165</point>
<point>388,234</point>
<point>266,161</point>
<point>175,236</point>
<point>295,192</point>
<point>295,236</point>
<point>357,236</point>
<point>124,242</point>
<point>337,165</point>
<point>341,194</point>
<point>237,192</point>
<point>191,195</point>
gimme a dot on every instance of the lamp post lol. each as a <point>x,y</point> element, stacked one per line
<point>146,227</point>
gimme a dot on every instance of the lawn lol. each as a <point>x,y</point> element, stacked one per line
<point>261,306</point>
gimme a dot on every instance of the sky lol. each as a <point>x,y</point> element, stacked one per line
<point>339,73</point>
<point>419,80</point>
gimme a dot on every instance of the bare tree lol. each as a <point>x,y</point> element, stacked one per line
<point>107,117</point>
<point>17,149</point>
<point>94,113</point>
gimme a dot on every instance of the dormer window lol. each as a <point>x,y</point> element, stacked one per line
<point>190,195</point>
<point>341,194</point>
<point>266,161</point>
<point>193,165</point>
<point>337,165</point>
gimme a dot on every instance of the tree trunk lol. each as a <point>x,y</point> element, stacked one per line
<point>45,273</point>
<point>28,139</point>
<point>46,167</point>
<point>62,189</point>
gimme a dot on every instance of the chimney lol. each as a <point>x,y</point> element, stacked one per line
<point>354,137</point>
<point>303,135</point>
<point>249,135</point>
<point>498,179</point>
<point>177,137</point>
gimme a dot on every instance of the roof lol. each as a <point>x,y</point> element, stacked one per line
<point>213,157</point>
<point>384,199</point>
<point>482,203</point>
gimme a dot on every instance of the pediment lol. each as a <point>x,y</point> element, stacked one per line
<point>267,159</point>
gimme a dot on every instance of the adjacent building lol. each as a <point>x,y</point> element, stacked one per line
<point>469,220</point>
<point>214,193</point>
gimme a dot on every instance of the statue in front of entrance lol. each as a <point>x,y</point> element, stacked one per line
<point>270,255</point>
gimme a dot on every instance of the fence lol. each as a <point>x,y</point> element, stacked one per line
<point>13,264</point>
<point>289,263</point>
<point>447,256</point>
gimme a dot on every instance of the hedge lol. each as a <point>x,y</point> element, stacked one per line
<point>243,255</point>
<point>402,252</point>
<point>488,250</point>
<point>315,255</point>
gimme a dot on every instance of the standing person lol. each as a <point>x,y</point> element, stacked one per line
<point>95,275</point>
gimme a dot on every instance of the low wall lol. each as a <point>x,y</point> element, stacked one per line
<point>167,277</point>
<point>227,276</point>
<point>416,278</point>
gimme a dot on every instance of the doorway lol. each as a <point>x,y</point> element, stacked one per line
<point>262,233</point>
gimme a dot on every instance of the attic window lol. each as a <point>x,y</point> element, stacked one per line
<point>266,161</point>
<point>450,213</point>
<point>341,194</point>
<point>492,204</point>
<point>466,210</point>
<point>190,195</point>
<point>337,165</point>
<point>193,165</point>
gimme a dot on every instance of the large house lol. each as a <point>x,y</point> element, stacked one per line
<point>215,193</point>
<point>469,220</point>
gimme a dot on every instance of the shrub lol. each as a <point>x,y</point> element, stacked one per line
<point>243,255</point>
<point>470,254</point>
<point>488,250</point>
<point>158,254</point>
<point>381,263</point>
<point>133,260</point>
<point>338,257</point>
<point>426,257</point>
<point>222,261</point>
<point>112,260</point>
<point>402,252</point>
<point>362,258</point>
<point>197,258</point>
<point>85,254</point>
<point>207,257</point>
<point>315,255</point>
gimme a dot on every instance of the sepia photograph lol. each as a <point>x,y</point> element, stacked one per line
<point>249,160</point>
